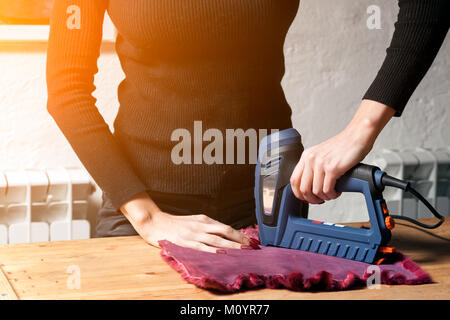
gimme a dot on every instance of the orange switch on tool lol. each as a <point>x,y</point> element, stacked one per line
<point>389,222</point>
<point>384,208</point>
<point>386,249</point>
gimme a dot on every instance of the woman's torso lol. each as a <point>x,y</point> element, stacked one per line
<point>218,62</point>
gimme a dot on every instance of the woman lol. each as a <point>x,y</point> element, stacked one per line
<point>219,62</point>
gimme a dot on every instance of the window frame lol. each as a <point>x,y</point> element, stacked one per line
<point>40,33</point>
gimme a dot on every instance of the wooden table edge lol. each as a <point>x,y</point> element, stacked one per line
<point>6,289</point>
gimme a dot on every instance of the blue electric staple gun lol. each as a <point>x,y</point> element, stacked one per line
<point>282,218</point>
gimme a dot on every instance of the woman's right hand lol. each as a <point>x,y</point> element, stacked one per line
<point>193,231</point>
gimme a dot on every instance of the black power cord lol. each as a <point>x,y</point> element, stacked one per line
<point>397,183</point>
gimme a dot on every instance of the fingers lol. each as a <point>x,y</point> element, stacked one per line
<point>212,243</point>
<point>317,185</point>
<point>329,184</point>
<point>314,178</point>
<point>306,186</point>
<point>221,229</point>
<point>227,232</point>
<point>296,178</point>
<point>203,233</point>
<point>198,232</point>
<point>217,242</point>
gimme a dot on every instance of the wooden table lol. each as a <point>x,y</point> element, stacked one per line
<point>127,268</point>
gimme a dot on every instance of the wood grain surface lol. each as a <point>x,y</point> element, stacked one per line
<point>128,268</point>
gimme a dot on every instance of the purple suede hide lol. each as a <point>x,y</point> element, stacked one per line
<point>272,267</point>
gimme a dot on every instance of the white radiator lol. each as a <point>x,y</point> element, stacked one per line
<point>44,205</point>
<point>429,173</point>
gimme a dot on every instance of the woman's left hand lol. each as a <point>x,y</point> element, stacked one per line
<point>314,178</point>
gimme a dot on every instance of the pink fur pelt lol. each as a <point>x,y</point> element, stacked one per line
<point>272,267</point>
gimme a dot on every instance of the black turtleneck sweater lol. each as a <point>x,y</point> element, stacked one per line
<point>216,61</point>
